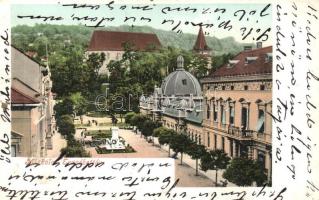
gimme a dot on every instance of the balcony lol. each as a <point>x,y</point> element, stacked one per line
<point>249,134</point>
<point>240,133</point>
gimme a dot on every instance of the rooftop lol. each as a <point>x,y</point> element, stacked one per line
<point>200,43</point>
<point>113,41</point>
<point>249,62</point>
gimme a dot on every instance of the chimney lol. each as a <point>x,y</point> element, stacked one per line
<point>248,48</point>
<point>259,45</point>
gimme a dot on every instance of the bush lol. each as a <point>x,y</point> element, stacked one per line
<point>129,116</point>
<point>65,125</point>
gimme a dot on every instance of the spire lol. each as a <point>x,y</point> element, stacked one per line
<point>180,62</point>
<point>200,42</point>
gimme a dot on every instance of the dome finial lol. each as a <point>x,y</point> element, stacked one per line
<point>180,62</point>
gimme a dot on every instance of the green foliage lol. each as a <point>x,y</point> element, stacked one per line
<point>243,172</point>
<point>196,151</point>
<point>74,148</point>
<point>79,102</point>
<point>166,136</point>
<point>65,125</point>
<point>138,120</point>
<point>214,160</point>
<point>128,116</point>
<point>180,144</point>
<point>220,60</point>
<point>63,107</point>
<point>148,127</point>
<point>159,131</point>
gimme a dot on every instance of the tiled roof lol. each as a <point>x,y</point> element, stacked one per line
<point>200,43</point>
<point>257,65</point>
<point>113,41</point>
<point>18,97</point>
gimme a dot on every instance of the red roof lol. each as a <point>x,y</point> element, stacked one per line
<point>113,41</point>
<point>17,97</point>
<point>201,42</point>
<point>258,66</point>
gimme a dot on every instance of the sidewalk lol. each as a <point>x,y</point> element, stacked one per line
<point>58,142</point>
<point>185,173</point>
<point>209,174</point>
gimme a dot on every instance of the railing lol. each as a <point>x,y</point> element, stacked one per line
<point>249,134</point>
<point>238,132</point>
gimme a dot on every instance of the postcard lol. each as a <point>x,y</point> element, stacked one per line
<point>159,100</point>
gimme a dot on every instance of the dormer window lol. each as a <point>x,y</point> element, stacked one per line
<point>249,60</point>
<point>184,82</point>
<point>232,63</point>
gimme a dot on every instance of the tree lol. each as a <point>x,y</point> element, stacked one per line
<point>79,103</point>
<point>65,125</point>
<point>214,160</point>
<point>165,138</point>
<point>219,61</point>
<point>180,143</point>
<point>74,148</point>
<point>196,152</point>
<point>128,116</point>
<point>138,120</point>
<point>63,107</point>
<point>148,127</point>
<point>243,172</point>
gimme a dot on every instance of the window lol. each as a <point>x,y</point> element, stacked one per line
<point>215,112</point>
<point>208,111</point>
<point>261,121</point>
<point>244,118</point>
<point>231,147</point>
<point>208,139</point>
<point>223,114</point>
<point>223,87</point>
<point>261,158</point>
<point>184,81</point>
<point>231,114</point>
<point>199,139</point>
<point>232,87</point>
<point>215,141</point>
<point>262,87</point>
<point>223,144</point>
<point>246,87</point>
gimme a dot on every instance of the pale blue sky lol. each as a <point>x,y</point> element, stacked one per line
<point>157,17</point>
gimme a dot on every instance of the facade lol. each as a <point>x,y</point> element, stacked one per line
<point>32,107</point>
<point>238,97</point>
<point>230,112</point>
<point>111,44</point>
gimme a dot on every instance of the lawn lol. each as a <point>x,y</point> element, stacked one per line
<point>98,134</point>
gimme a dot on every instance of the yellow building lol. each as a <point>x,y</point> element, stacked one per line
<point>238,97</point>
<point>31,105</point>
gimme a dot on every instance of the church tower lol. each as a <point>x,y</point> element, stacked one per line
<point>202,48</point>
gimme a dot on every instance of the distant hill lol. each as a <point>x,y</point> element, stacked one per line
<point>24,36</point>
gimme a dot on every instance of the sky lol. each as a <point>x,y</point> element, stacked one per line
<point>205,13</point>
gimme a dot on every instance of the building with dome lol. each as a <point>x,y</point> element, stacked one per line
<point>177,103</point>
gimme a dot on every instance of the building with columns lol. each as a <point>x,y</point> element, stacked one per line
<point>237,98</point>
